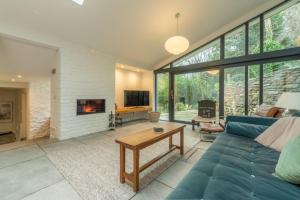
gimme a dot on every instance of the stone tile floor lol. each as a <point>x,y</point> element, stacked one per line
<point>27,172</point>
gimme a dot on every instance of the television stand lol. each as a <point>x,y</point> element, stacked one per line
<point>129,113</point>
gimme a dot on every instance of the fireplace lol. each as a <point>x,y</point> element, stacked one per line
<point>90,106</point>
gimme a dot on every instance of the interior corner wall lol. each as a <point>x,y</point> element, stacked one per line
<point>84,74</point>
<point>55,111</point>
<point>132,80</point>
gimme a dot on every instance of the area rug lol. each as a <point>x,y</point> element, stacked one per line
<point>91,163</point>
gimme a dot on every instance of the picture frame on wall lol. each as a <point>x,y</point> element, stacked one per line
<point>6,112</point>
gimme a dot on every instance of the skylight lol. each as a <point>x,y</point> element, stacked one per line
<point>80,2</point>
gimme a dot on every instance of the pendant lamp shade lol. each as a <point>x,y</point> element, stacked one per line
<point>177,44</point>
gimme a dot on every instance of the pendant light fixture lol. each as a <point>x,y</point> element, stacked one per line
<point>177,44</point>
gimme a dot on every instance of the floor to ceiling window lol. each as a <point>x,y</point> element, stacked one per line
<point>254,36</point>
<point>234,91</point>
<point>253,88</point>
<point>280,77</point>
<point>162,95</point>
<point>207,53</point>
<point>191,88</point>
<point>256,62</point>
<point>281,27</point>
<point>235,43</point>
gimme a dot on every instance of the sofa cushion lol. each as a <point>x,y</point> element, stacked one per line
<point>245,129</point>
<point>288,166</point>
<point>235,167</point>
<point>280,133</point>
<point>265,121</point>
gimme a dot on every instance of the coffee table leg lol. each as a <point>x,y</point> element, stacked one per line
<point>122,163</point>
<point>170,142</point>
<point>182,141</point>
<point>136,171</point>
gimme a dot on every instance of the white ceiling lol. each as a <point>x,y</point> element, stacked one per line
<point>134,31</point>
<point>26,59</point>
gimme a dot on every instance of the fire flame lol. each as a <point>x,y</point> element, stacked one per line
<point>88,109</point>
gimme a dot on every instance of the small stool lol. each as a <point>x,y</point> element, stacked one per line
<point>211,129</point>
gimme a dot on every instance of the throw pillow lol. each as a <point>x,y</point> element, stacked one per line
<point>267,111</point>
<point>288,166</point>
<point>280,133</point>
<point>272,112</point>
<point>245,129</point>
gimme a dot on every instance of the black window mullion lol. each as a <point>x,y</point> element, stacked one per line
<point>246,90</point>
<point>171,97</point>
<point>261,83</point>
<point>221,79</point>
<point>221,93</point>
<point>222,47</point>
<point>261,35</point>
<point>247,39</point>
<point>155,92</point>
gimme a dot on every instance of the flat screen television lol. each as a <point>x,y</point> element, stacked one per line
<point>136,98</point>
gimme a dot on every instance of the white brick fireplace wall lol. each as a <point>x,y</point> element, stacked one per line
<point>84,74</point>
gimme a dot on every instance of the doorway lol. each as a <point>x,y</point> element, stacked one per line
<point>12,115</point>
<point>190,88</point>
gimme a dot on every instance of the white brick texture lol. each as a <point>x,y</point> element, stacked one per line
<point>84,74</point>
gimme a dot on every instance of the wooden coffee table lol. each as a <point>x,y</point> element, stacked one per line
<point>141,140</point>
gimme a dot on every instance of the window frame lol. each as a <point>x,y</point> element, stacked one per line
<point>260,59</point>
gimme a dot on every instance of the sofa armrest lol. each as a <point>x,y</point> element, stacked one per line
<point>246,126</point>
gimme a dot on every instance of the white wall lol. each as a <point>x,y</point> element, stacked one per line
<point>55,117</point>
<point>84,74</point>
<point>132,80</point>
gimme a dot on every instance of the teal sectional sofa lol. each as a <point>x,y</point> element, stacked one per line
<point>236,167</point>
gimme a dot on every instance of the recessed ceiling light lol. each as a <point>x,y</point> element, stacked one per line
<point>80,2</point>
<point>13,80</point>
<point>19,76</point>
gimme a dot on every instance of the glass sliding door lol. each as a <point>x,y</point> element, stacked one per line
<point>253,88</point>
<point>162,95</point>
<point>190,88</point>
<point>234,91</point>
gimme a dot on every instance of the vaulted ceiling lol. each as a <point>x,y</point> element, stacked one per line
<point>134,31</point>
